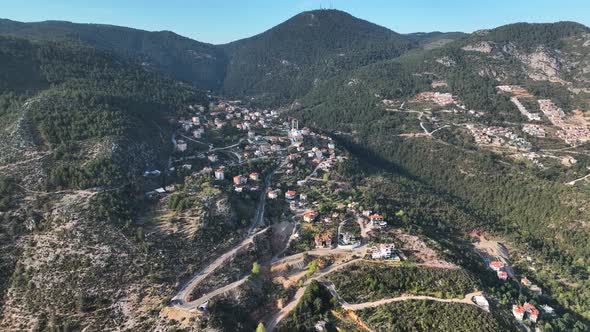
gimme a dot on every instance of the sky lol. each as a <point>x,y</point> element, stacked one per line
<point>222,21</point>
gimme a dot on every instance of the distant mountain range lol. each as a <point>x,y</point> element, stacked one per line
<point>279,64</point>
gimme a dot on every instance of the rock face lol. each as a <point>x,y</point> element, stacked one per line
<point>483,47</point>
<point>542,64</point>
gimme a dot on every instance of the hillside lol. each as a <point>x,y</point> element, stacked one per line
<point>184,59</point>
<point>438,117</point>
<point>287,60</point>
<point>78,128</point>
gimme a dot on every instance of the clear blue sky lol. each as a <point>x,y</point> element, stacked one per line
<point>220,21</point>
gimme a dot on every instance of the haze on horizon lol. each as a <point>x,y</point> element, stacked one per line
<point>219,22</point>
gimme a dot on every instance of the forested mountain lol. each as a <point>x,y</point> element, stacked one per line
<point>287,60</point>
<point>275,66</point>
<point>200,64</point>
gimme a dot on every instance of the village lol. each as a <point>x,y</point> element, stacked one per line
<point>289,171</point>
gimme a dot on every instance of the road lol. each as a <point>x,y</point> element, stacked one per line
<point>183,296</point>
<point>272,323</point>
<point>361,306</point>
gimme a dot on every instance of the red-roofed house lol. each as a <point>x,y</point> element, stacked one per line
<point>502,275</point>
<point>238,179</point>
<point>310,216</point>
<point>254,176</point>
<point>290,194</point>
<point>518,312</point>
<point>496,265</point>
<point>525,281</point>
<point>219,174</point>
<point>376,219</point>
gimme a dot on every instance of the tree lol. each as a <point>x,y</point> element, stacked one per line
<point>255,268</point>
<point>260,328</point>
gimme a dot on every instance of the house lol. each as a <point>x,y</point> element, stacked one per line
<point>377,220</point>
<point>525,281</point>
<point>291,194</point>
<point>153,173</point>
<point>220,174</point>
<point>532,311</point>
<point>331,146</point>
<point>239,189</point>
<point>518,312</point>
<point>212,158</point>
<point>301,182</point>
<point>181,145</point>
<point>482,302</point>
<point>302,197</point>
<point>547,309</point>
<point>254,176</point>
<point>320,326</point>
<point>348,239</point>
<point>170,188</point>
<point>323,241</point>
<point>272,194</point>
<point>384,251</point>
<point>310,216</point>
<point>496,265</point>
<point>502,275</point>
<point>238,179</point>
<point>196,120</point>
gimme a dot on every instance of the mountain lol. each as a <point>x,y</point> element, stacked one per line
<point>275,66</point>
<point>287,60</point>
<point>184,59</point>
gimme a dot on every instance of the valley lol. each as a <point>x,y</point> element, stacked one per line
<point>328,174</point>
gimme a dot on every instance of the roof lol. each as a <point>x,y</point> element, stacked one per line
<point>518,309</point>
<point>291,192</point>
<point>496,264</point>
<point>376,216</point>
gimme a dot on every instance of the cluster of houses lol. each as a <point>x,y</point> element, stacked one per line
<point>498,136</point>
<point>519,312</point>
<point>572,134</point>
<point>524,111</point>
<point>241,182</point>
<point>527,309</point>
<point>499,267</point>
<point>439,98</point>
<point>534,130</point>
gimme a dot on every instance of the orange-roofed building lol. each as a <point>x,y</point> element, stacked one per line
<point>518,312</point>
<point>376,219</point>
<point>525,281</point>
<point>254,176</point>
<point>310,216</point>
<point>502,275</point>
<point>496,265</point>
<point>290,194</point>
